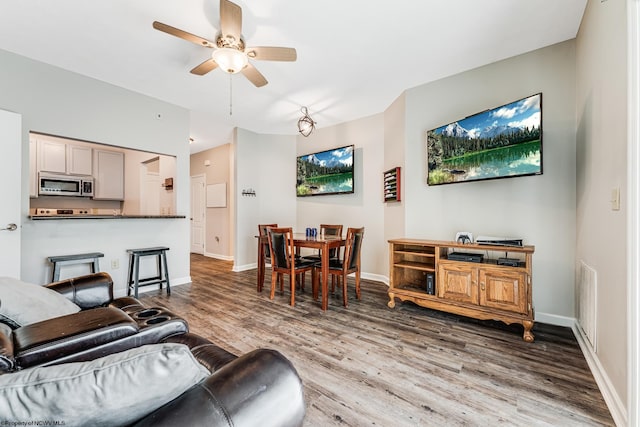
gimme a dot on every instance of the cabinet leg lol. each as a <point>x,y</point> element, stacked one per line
<point>391,303</point>
<point>528,335</point>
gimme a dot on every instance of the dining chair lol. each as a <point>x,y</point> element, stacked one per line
<point>341,268</point>
<point>262,232</point>
<point>328,230</point>
<point>283,259</point>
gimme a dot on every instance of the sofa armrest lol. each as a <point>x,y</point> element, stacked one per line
<point>261,388</point>
<point>209,355</point>
<point>92,290</point>
<point>49,340</point>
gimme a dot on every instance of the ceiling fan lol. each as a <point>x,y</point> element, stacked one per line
<point>229,50</point>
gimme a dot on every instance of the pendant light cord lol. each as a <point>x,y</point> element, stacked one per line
<point>230,96</point>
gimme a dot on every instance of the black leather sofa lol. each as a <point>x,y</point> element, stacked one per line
<point>260,388</point>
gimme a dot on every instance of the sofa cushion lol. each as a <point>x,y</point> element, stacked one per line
<point>23,303</point>
<point>114,390</point>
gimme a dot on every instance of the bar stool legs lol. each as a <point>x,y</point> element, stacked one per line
<point>133,279</point>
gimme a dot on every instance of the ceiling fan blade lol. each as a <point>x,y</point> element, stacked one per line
<point>205,67</point>
<point>182,34</point>
<point>230,19</point>
<point>254,76</point>
<point>270,53</point>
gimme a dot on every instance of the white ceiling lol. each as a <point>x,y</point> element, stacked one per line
<point>354,56</point>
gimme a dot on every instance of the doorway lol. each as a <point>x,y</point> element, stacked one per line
<point>198,213</point>
<point>150,187</point>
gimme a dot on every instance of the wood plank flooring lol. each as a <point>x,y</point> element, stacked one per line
<point>369,365</point>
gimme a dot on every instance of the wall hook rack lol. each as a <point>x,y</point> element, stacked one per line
<point>249,192</point>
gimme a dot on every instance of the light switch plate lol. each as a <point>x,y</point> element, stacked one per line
<point>615,199</point>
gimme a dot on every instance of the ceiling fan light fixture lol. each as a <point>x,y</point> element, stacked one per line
<point>306,125</point>
<point>230,60</point>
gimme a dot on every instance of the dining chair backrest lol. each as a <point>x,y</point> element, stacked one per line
<point>281,244</point>
<point>262,232</point>
<point>352,248</point>
<point>332,230</point>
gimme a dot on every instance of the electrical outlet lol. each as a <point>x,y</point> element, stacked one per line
<point>115,264</point>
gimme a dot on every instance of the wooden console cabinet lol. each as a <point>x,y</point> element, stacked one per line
<point>481,290</point>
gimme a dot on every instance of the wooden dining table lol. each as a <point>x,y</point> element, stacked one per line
<point>301,240</point>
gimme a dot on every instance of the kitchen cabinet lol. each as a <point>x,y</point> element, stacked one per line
<point>108,175</point>
<point>79,161</point>
<point>64,158</point>
<point>483,290</point>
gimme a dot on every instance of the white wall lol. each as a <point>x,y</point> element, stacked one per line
<point>601,64</point>
<point>266,164</point>
<point>363,208</point>
<point>539,209</point>
<point>394,156</point>
<point>57,102</point>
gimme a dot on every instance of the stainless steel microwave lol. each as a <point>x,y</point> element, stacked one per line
<point>65,185</point>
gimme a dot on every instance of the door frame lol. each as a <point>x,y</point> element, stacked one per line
<point>11,173</point>
<point>633,217</point>
<point>204,206</point>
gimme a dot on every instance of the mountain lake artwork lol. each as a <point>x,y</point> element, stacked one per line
<point>501,142</point>
<point>325,172</point>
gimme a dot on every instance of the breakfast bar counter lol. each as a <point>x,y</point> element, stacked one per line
<point>91,216</point>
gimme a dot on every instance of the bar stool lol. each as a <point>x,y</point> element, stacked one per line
<point>134,269</point>
<point>60,260</point>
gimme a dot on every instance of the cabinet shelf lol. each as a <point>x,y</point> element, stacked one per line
<point>415,252</point>
<point>415,266</point>
<point>415,291</point>
<point>483,290</point>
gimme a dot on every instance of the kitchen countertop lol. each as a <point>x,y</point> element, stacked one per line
<point>90,216</point>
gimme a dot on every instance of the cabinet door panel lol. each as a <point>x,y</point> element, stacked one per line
<point>505,290</point>
<point>458,283</point>
<point>79,160</point>
<point>109,175</point>
<point>52,157</point>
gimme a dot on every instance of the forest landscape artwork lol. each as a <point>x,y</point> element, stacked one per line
<point>502,142</point>
<point>325,172</point>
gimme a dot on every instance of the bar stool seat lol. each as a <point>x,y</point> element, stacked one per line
<point>59,260</point>
<point>162,276</point>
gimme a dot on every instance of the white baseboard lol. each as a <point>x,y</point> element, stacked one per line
<point>554,319</point>
<point>218,256</point>
<point>611,398</point>
<point>375,277</point>
<point>238,268</point>
<point>143,289</point>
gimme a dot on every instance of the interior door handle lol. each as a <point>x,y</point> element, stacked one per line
<point>10,227</point>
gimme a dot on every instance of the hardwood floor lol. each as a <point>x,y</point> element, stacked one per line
<point>370,365</point>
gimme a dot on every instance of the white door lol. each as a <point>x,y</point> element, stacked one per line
<point>150,193</point>
<point>10,175</point>
<point>198,211</point>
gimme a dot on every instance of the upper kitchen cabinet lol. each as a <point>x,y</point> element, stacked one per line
<point>79,160</point>
<point>65,158</point>
<point>108,175</point>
